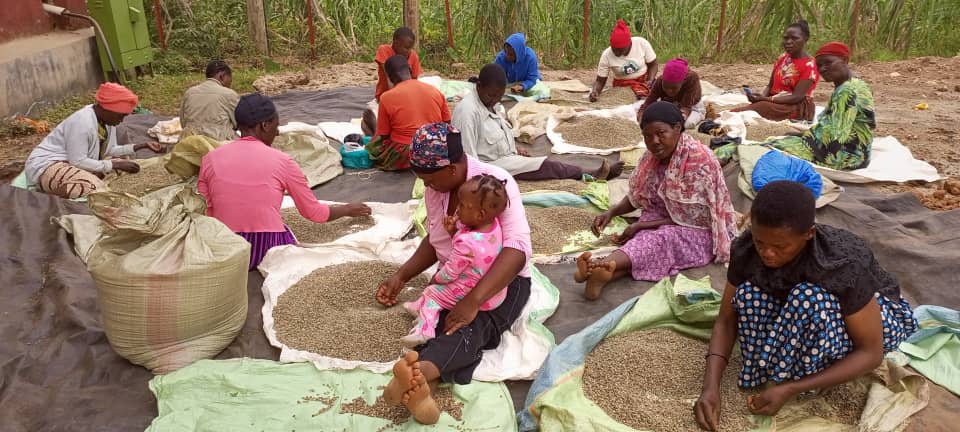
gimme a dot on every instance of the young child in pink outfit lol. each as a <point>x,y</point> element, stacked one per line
<point>477,240</point>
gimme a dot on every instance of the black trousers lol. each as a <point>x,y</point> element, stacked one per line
<point>457,355</point>
<point>553,170</point>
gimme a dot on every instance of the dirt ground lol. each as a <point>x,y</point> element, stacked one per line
<point>897,88</point>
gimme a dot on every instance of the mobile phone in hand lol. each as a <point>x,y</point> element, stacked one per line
<point>747,91</point>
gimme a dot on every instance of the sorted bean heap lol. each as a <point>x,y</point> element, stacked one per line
<point>844,403</point>
<point>575,187</point>
<point>325,312</point>
<point>397,414</point>
<point>616,96</point>
<point>551,226</point>
<point>308,231</point>
<point>149,179</point>
<point>600,132</point>
<point>763,130</point>
<point>649,380</point>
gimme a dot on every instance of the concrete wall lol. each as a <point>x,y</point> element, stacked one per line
<point>47,69</point>
<point>20,18</point>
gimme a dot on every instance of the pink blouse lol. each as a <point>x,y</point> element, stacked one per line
<point>513,221</point>
<point>243,182</point>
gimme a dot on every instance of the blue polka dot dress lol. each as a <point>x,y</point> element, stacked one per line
<point>804,333</point>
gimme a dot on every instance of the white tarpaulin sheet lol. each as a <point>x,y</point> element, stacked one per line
<point>561,146</point>
<point>392,222</point>
<point>890,161</point>
<point>522,349</point>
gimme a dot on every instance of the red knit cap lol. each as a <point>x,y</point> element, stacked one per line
<point>834,48</point>
<point>620,36</point>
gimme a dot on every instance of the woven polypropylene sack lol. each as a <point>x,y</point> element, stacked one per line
<point>171,282</point>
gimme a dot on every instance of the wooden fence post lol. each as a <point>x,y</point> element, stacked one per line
<point>411,16</point>
<point>257,23</point>
<point>723,16</point>
<point>586,26</point>
<point>854,21</point>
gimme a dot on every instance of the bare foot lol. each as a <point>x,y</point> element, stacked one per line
<point>419,401</point>
<point>615,170</point>
<point>403,372</point>
<point>603,171</point>
<point>583,267</point>
<point>601,274</point>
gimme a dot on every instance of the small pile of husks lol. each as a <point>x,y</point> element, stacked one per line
<point>398,414</point>
<point>600,132</point>
<point>150,178</point>
<point>575,187</point>
<point>649,380</point>
<point>550,227</point>
<point>333,312</point>
<point>308,231</point>
<point>946,197</point>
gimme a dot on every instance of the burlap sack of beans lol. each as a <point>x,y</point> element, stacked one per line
<point>171,282</point>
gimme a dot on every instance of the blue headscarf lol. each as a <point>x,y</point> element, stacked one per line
<point>526,70</point>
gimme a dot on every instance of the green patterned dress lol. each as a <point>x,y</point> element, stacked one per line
<point>842,137</point>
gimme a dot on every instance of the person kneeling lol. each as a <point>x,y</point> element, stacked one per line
<point>809,304</point>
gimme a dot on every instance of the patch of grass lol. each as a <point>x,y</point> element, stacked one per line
<point>56,113</point>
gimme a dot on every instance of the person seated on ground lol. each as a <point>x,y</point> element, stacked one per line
<point>788,94</point>
<point>687,220</point>
<point>464,332</point>
<point>477,240</point>
<point>809,304</point>
<point>244,182</point>
<point>73,159</point>
<point>631,60</point>
<point>207,108</point>
<point>486,135</point>
<point>403,42</point>
<point>520,64</point>
<point>403,109</point>
<point>842,138</point>
<point>681,86</point>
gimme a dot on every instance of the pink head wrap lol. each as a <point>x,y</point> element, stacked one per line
<point>675,71</point>
<point>117,98</point>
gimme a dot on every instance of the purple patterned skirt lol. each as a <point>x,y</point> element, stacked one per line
<point>261,242</point>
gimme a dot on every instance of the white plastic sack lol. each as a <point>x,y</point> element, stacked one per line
<point>166,131</point>
<point>337,131</point>
<point>521,351</point>
<point>560,146</point>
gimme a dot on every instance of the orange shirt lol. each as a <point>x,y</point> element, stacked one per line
<point>407,106</point>
<point>384,53</point>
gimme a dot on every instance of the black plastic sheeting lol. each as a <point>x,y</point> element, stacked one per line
<point>58,372</point>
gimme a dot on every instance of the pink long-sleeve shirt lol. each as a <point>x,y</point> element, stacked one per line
<point>513,220</point>
<point>243,182</point>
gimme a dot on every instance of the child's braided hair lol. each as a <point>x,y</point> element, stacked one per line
<point>493,188</point>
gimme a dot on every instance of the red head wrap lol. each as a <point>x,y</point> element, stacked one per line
<point>620,36</point>
<point>834,48</point>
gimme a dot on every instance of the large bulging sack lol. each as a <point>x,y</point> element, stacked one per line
<point>171,282</point>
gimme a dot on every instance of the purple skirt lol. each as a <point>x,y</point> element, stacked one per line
<point>261,242</point>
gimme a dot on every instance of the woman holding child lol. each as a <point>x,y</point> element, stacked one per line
<point>462,333</point>
<point>687,220</point>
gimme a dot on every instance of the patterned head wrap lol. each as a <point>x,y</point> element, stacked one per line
<point>435,145</point>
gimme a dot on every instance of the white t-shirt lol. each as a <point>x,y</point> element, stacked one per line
<point>631,66</point>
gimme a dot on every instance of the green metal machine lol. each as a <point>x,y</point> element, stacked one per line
<point>125,30</point>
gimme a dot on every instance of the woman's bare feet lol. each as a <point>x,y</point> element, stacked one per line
<point>403,378</point>
<point>583,267</point>
<point>600,274</point>
<point>419,401</point>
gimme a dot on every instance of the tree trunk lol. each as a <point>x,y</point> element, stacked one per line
<point>854,21</point>
<point>411,17</point>
<point>256,18</point>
